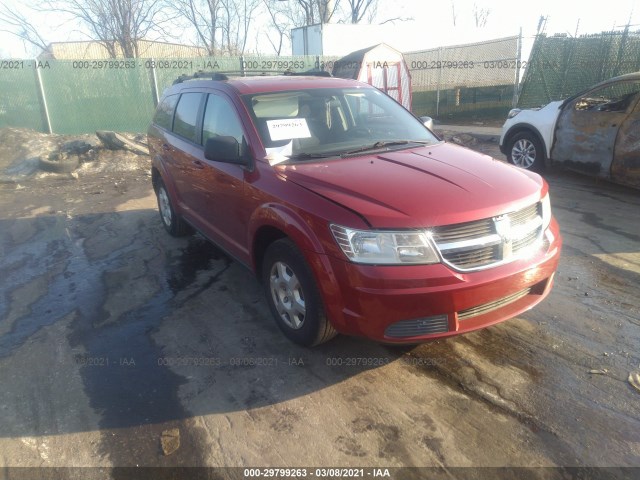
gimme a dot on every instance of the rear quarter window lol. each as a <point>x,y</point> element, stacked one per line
<point>164,113</point>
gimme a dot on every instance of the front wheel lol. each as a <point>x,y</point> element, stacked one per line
<point>293,296</point>
<point>526,151</point>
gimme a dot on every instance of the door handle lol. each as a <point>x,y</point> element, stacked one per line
<point>198,164</point>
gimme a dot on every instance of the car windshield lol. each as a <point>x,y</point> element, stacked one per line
<point>320,123</point>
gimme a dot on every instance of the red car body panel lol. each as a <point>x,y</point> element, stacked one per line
<point>423,187</point>
<point>373,297</point>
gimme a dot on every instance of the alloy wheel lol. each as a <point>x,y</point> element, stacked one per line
<point>523,153</point>
<point>287,294</point>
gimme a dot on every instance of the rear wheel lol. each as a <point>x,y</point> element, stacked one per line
<point>526,151</point>
<point>293,295</point>
<point>170,219</point>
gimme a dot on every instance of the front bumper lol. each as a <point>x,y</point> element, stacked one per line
<point>432,301</point>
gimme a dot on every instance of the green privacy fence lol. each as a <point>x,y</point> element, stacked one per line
<point>20,102</point>
<point>81,96</point>
<point>560,65</point>
<point>472,80</point>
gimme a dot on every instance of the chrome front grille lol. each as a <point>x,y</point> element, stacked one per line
<point>465,231</point>
<point>489,307</point>
<point>490,241</point>
<point>521,217</point>
<point>525,242</point>
<point>476,257</point>
<point>417,327</point>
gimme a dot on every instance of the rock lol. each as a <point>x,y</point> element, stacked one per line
<point>115,141</point>
<point>76,147</point>
<point>463,139</point>
<point>170,441</point>
<point>602,371</point>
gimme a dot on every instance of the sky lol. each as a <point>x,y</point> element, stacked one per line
<point>430,23</point>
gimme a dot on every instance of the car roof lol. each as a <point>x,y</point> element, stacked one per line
<point>270,83</point>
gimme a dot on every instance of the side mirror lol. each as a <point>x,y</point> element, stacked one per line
<point>427,122</point>
<point>224,149</point>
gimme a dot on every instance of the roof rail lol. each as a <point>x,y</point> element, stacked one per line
<point>224,75</point>
<point>311,73</point>
<point>201,74</point>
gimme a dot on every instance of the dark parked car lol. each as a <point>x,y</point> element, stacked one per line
<point>596,131</point>
<point>356,218</point>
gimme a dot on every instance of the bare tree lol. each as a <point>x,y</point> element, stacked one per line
<point>480,15</point>
<point>318,10</point>
<point>117,24</point>
<point>358,9</point>
<point>16,23</point>
<point>282,18</point>
<point>244,22</point>
<point>454,15</point>
<point>220,26</point>
<point>205,17</point>
<point>285,15</point>
<point>236,24</point>
<point>326,9</point>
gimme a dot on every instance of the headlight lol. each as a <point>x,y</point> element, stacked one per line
<point>513,112</point>
<point>386,247</point>
<point>546,211</point>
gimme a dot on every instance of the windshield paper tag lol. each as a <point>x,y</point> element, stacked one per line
<point>288,129</point>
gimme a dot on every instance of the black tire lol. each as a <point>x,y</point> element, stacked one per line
<point>287,280</point>
<point>526,151</point>
<point>170,219</point>
<point>65,165</point>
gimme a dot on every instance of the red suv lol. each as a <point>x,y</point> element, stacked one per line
<point>354,215</point>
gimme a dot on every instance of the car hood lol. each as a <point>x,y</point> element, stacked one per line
<point>416,188</point>
<point>549,106</point>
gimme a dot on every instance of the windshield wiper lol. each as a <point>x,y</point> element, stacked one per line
<point>381,144</point>
<point>307,156</point>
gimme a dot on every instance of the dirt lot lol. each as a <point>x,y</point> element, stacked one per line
<point>122,346</point>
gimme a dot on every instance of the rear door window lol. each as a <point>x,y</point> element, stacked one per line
<point>186,119</point>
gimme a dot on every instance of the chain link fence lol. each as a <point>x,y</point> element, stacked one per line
<point>81,96</point>
<point>561,66</point>
<point>84,95</point>
<point>473,80</point>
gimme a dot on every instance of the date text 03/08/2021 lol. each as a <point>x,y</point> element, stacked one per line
<point>316,472</point>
